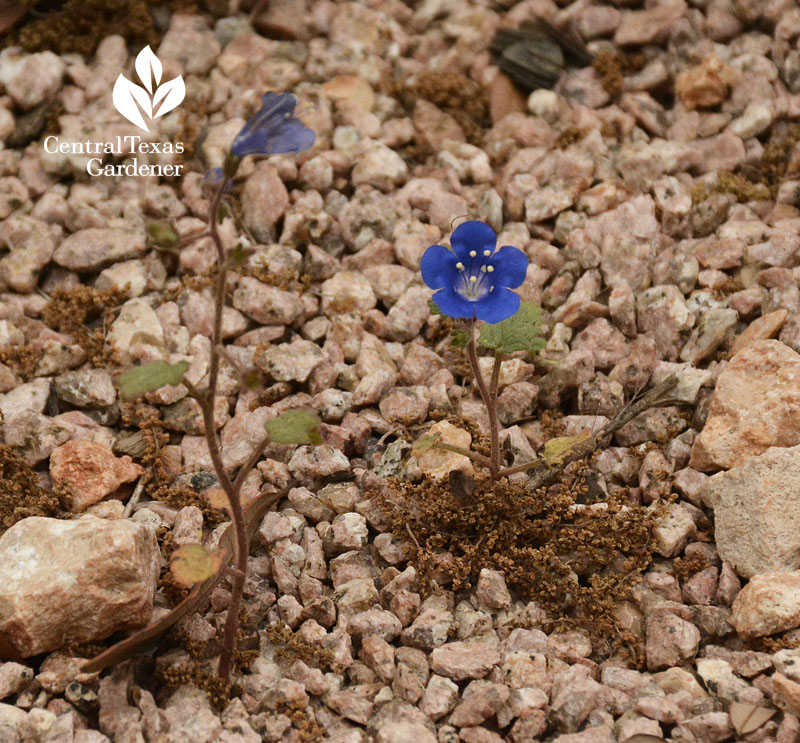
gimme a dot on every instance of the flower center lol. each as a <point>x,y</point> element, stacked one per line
<point>476,277</point>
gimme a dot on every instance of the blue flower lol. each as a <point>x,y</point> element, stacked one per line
<point>473,279</point>
<point>273,130</point>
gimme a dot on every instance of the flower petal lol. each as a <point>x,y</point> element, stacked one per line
<point>472,235</point>
<point>497,305</point>
<point>510,266</point>
<point>438,266</point>
<point>454,305</point>
<point>290,135</point>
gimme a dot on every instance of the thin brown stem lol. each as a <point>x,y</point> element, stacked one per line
<point>473,455</point>
<point>491,406</point>
<point>488,400</point>
<point>206,400</point>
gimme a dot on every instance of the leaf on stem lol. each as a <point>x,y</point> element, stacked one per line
<point>459,338</point>
<point>294,427</point>
<point>423,443</point>
<point>556,450</point>
<point>192,563</point>
<point>149,377</point>
<point>163,234</point>
<point>434,308</point>
<point>216,498</point>
<point>520,332</point>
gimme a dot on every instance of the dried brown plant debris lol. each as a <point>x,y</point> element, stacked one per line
<point>608,66</point>
<point>21,495</point>
<point>575,562</point>
<point>684,568</point>
<point>303,722</point>
<point>290,646</point>
<point>457,95</point>
<point>84,313</point>
<point>733,183</point>
<point>202,677</point>
<point>22,360</point>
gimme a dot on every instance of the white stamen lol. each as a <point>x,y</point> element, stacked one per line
<point>491,288</point>
<point>472,254</point>
<point>483,269</point>
<point>487,253</point>
<point>490,268</point>
<point>473,279</point>
<point>460,266</point>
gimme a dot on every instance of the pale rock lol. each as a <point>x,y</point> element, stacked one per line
<point>662,312</point>
<point>348,292</point>
<point>408,315</point>
<point>191,42</point>
<point>440,698</point>
<point>30,397</point>
<point>714,328</point>
<point>768,604</point>
<point>380,167</point>
<point>291,362</point>
<point>90,249</point>
<point>756,525</point>
<point>137,322</point>
<point>130,276</point>
<point>670,641</point>
<point>105,581</point>
<point>464,660</point>
<point>761,328</point>
<point>267,304</point>
<point>751,408</point>
<point>86,388</point>
<point>32,243</point>
<point>30,79</point>
<point>264,201</point>
<point>649,26</point>
<point>406,405</point>
<point>718,676</point>
<point>491,590</point>
<point>87,472</point>
<point>437,463</point>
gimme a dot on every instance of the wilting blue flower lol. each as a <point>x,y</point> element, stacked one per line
<point>473,279</point>
<point>274,129</point>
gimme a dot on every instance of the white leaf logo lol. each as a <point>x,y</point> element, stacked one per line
<point>135,102</point>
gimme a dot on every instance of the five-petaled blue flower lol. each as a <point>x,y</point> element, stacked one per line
<point>473,279</point>
<point>274,129</point>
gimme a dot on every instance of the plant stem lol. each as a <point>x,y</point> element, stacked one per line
<point>489,397</point>
<point>206,399</point>
<point>473,455</point>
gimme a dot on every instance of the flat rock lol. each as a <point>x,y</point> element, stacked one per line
<point>464,660</point>
<point>769,603</point>
<point>753,407</point>
<point>87,472</point>
<point>74,580</point>
<point>757,512</point>
<point>90,249</point>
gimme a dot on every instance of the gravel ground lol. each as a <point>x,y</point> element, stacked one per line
<point>657,195</point>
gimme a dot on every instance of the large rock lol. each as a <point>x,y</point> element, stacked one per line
<point>757,512</point>
<point>87,472</point>
<point>90,249</point>
<point>76,581</point>
<point>755,406</point>
<point>769,603</point>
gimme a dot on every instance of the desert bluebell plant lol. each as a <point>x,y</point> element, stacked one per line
<point>473,280</point>
<point>272,130</point>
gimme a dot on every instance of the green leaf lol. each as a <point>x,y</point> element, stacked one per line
<point>294,427</point>
<point>192,563</point>
<point>163,234</point>
<point>423,443</point>
<point>149,377</point>
<point>459,338</point>
<point>240,254</point>
<point>434,308</point>
<point>557,449</point>
<point>520,332</point>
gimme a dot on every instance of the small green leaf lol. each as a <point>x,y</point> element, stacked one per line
<point>252,381</point>
<point>240,254</point>
<point>423,443</point>
<point>192,563</point>
<point>556,450</point>
<point>149,377</point>
<point>294,427</point>
<point>163,234</point>
<point>520,332</point>
<point>222,212</point>
<point>434,308</point>
<point>459,338</point>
